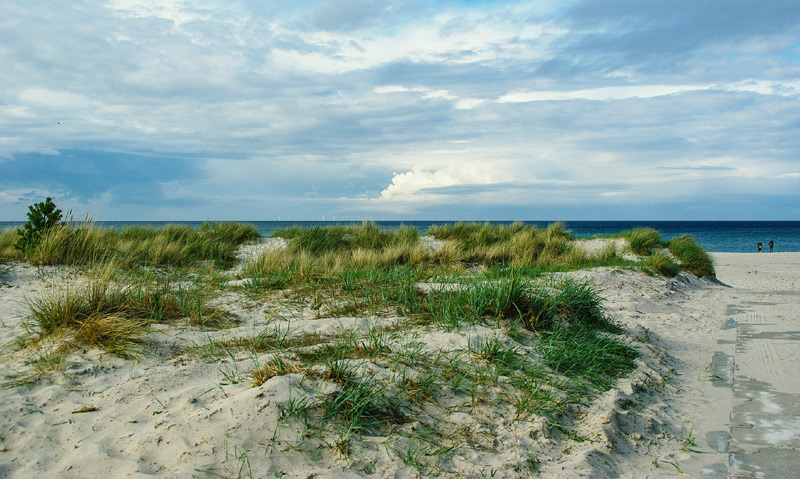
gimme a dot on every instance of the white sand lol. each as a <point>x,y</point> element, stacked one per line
<point>172,415</point>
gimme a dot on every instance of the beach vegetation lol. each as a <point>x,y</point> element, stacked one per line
<point>516,244</point>
<point>42,216</point>
<point>276,366</point>
<point>554,314</point>
<point>112,314</point>
<point>692,256</point>
<point>8,237</point>
<point>319,239</point>
<point>583,353</point>
<point>84,244</point>
<point>49,357</point>
<point>642,241</point>
<point>550,345</point>
<point>660,263</point>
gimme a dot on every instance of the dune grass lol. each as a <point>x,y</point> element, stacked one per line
<point>352,270</point>
<point>659,256</point>
<point>7,239</point>
<point>535,306</point>
<point>360,270</point>
<point>580,352</point>
<point>112,313</point>
<point>318,255</point>
<point>661,264</point>
<point>555,344</point>
<point>341,270</point>
<point>643,241</point>
<point>84,243</point>
<point>567,325</point>
<point>692,256</point>
<point>367,236</point>
<point>515,244</point>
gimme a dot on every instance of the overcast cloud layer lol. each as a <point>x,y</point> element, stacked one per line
<point>601,109</point>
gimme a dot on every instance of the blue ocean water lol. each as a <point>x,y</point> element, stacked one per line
<point>716,236</point>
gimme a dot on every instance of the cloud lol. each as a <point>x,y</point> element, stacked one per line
<point>694,168</point>
<point>406,186</point>
<point>339,15</point>
<point>601,94</point>
<point>428,94</point>
<point>257,109</point>
<point>790,88</point>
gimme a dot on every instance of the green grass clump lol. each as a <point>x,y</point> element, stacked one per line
<point>643,241</point>
<point>661,263</point>
<point>471,303</point>
<point>580,352</point>
<point>692,256</point>
<point>359,404</point>
<point>579,303</point>
<point>535,307</point>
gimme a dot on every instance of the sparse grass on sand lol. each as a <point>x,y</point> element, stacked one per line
<point>552,344</point>
<point>112,312</point>
<point>361,270</point>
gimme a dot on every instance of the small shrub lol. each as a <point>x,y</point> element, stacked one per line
<point>41,217</point>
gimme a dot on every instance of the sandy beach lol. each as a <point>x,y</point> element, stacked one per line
<point>730,407</point>
<point>714,394</point>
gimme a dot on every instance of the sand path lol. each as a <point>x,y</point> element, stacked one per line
<point>741,394</point>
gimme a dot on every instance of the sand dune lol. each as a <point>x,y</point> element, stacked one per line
<point>716,375</point>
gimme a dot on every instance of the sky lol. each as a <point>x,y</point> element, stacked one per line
<point>401,109</point>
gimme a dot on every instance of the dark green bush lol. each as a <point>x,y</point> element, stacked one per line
<point>41,217</point>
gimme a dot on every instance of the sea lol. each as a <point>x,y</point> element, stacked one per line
<point>714,236</point>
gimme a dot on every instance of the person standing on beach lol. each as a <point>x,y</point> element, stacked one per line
<point>771,244</point>
<point>759,246</point>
